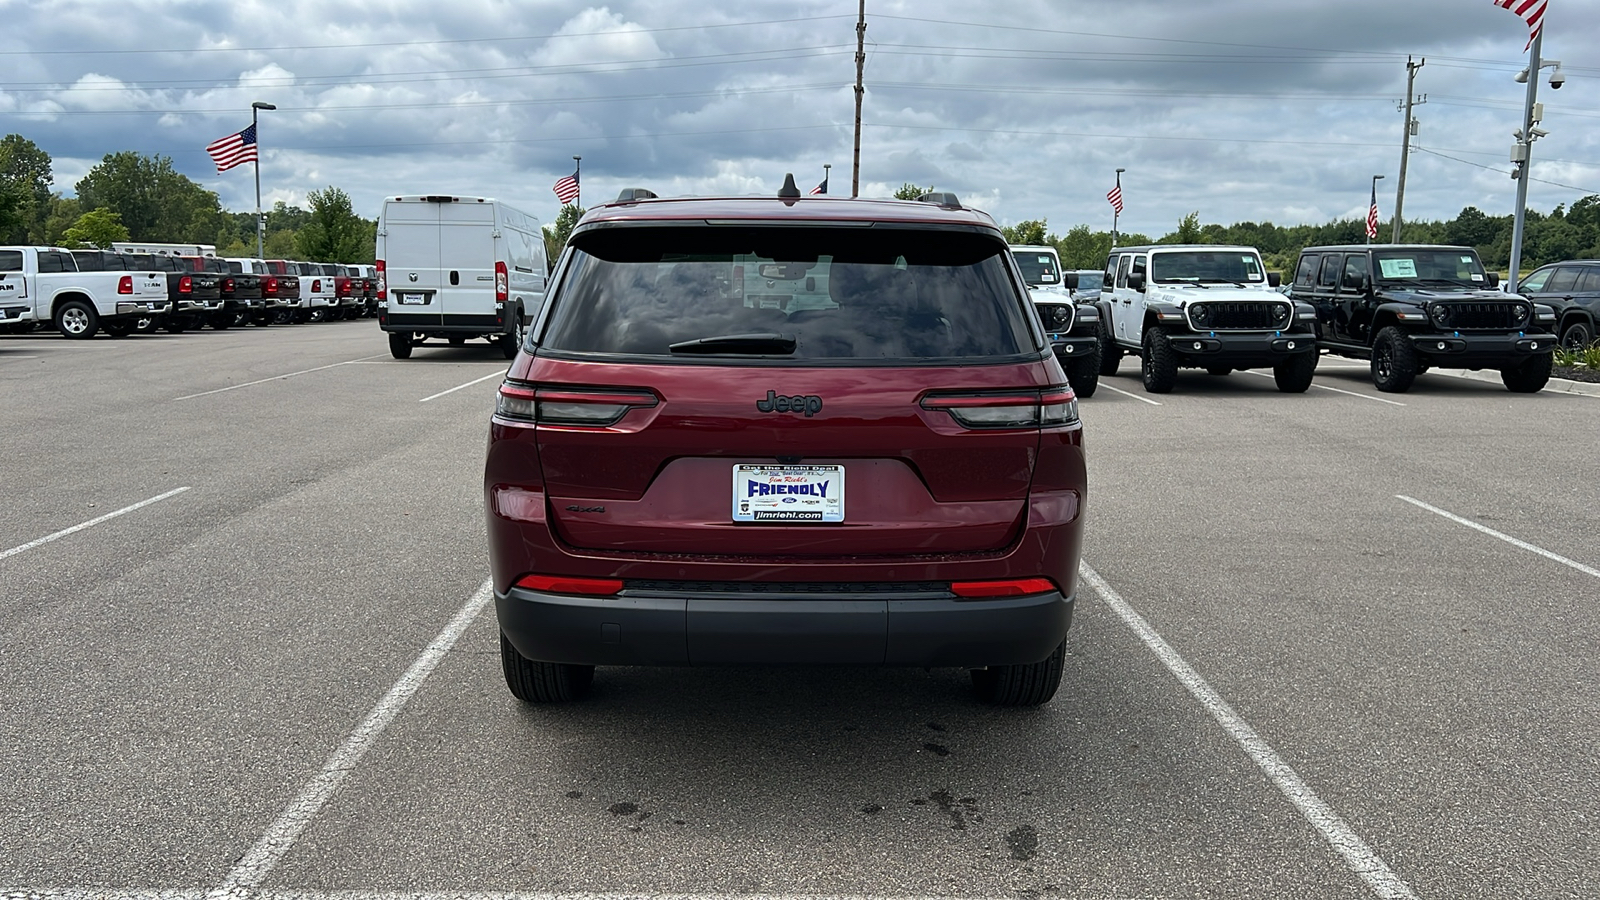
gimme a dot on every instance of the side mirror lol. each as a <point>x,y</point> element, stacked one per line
<point>1366,282</point>
<point>1494,280</point>
<point>1274,279</point>
<point>1136,281</point>
<point>1070,279</point>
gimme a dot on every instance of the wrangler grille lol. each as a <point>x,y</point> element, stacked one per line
<point>1240,315</point>
<point>1494,315</point>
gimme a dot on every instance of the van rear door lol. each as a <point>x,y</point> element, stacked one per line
<point>466,266</point>
<point>411,245</point>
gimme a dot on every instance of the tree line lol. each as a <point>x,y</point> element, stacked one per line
<point>129,196</point>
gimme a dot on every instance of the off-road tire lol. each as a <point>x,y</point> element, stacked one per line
<point>1577,336</point>
<point>77,320</point>
<point>1110,353</point>
<point>1084,375</point>
<point>1157,363</point>
<point>542,682</point>
<point>1528,377</point>
<point>1294,374</point>
<point>1394,361</point>
<point>1030,684</point>
<point>400,344</point>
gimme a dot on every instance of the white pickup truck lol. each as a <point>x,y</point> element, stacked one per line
<point>42,285</point>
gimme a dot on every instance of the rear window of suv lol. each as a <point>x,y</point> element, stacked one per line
<point>847,295</point>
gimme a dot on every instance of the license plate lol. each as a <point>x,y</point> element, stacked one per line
<point>788,493</point>
<point>417,299</point>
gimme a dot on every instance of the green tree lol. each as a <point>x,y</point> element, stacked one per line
<point>96,228</point>
<point>25,181</point>
<point>1031,231</point>
<point>556,233</point>
<point>1188,232</point>
<point>1082,248</point>
<point>333,232</point>
<point>909,191</point>
<point>155,201</point>
<point>62,213</point>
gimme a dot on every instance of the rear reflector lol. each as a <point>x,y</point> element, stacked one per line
<point>560,584</point>
<point>1015,587</point>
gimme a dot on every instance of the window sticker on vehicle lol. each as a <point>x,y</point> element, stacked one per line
<point>1467,259</point>
<point>788,493</point>
<point>1476,277</point>
<point>1398,268</point>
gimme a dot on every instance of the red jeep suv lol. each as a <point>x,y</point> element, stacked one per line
<point>791,430</point>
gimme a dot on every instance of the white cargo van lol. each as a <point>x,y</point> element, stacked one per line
<point>457,268</point>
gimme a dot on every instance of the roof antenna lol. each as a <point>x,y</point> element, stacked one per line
<point>788,189</point>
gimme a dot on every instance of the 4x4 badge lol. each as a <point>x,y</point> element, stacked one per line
<point>810,404</point>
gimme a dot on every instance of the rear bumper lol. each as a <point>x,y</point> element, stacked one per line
<point>441,324</point>
<point>672,628</point>
<point>141,308</point>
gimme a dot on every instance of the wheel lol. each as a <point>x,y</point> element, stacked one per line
<point>1158,363</point>
<point>144,324</point>
<point>1110,353</point>
<point>222,321</point>
<point>1577,336</point>
<point>510,343</point>
<point>1394,361</point>
<point>542,682</point>
<point>1529,377</point>
<point>457,341</point>
<point>1218,370</point>
<point>117,329</point>
<point>1084,375</point>
<point>1293,375</point>
<point>241,319</point>
<point>77,319</point>
<point>262,319</point>
<point>175,326</point>
<point>317,314</point>
<point>400,345</point>
<point>1031,684</point>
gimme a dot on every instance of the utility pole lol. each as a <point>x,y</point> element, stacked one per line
<point>861,63</point>
<point>1405,143</point>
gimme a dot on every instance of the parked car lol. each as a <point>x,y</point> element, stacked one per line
<point>317,289</point>
<point>1088,285</point>
<point>241,291</point>
<point>368,276</point>
<point>457,268</point>
<point>1073,327</point>
<point>882,466</point>
<point>196,296</point>
<point>1407,307</point>
<point>1572,290</point>
<point>43,286</point>
<point>285,283</point>
<point>149,313</point>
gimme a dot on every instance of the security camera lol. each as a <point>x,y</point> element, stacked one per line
<point>1522,77</point>
<point>1538,132</point>
<point>1557,79</point>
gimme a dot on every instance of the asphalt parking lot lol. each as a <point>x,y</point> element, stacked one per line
<point>1338,644</point>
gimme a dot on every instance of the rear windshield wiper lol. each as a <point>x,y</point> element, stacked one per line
<point>738,343</point>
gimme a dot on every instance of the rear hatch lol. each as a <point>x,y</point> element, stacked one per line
<point>411,260</point>
<point>466,260</point>
<point>826,432</point>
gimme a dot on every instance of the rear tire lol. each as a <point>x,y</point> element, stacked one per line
<point>1530,376</point>
<point>542,682</point>
<point>222,321</point>
<point>1031,684</point>
<point>1158,363</point>
<point>117,329</point>
<point>1394,361</point>
<point>400,345</point>
<point>1110,353</point>
<point>1577,336</point>
<point>77,320</point>
<point>1294,374</point>
<point>511,343</point>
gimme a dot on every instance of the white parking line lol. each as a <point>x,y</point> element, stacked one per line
<point>254,867</point>
<point>1127,394</point>
<point>275,378</point>
<point>194,894</point>
<point>91,523</point>
<point>1358,857</point>
<point>1587,570</point>
<point>467,385</point>
<point>1337,390</point>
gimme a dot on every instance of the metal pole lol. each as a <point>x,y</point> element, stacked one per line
<point>1525,164</point>
<point>1116,213</point>
<point>861,62</point>
<point>576,172</point>
<point>261,224</point>
<point>1405,144</point>
<point>825,172</point>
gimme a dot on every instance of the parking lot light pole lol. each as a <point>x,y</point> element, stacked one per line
<point>261,223</point>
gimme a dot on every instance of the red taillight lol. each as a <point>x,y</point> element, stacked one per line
<point>270,286</point>
<point>1047,408</point>
<point>125,284</point>
<point>383,282</point>
<point>185,285</point>
<point>1013,587</point>
<point>565,406</point>
<point>227,285</point>
<point>559,584</point>
<point>316,285</point>
<point>502,283</point>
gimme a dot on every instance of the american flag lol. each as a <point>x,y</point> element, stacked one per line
<point>1115,197</point>
<point>821,188</point>
<point>233,150</point>
<point>567,189</point>
<point>1372,214</point>
<point>1531,11</point>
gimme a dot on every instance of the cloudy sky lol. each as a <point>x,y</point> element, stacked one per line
<point>1238,110</point>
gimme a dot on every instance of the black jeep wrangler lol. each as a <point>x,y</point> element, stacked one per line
<point>1407,307</point>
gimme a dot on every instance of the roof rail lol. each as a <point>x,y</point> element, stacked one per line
<point>943,198</point>
<point>630,195</point>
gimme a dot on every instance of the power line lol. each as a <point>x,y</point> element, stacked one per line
<point>1573,187</point>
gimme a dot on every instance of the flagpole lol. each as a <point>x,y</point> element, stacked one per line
<point>576,172</point>
<point>1525,138</point>
<point>1115,212</point>
<point>261,224</point>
